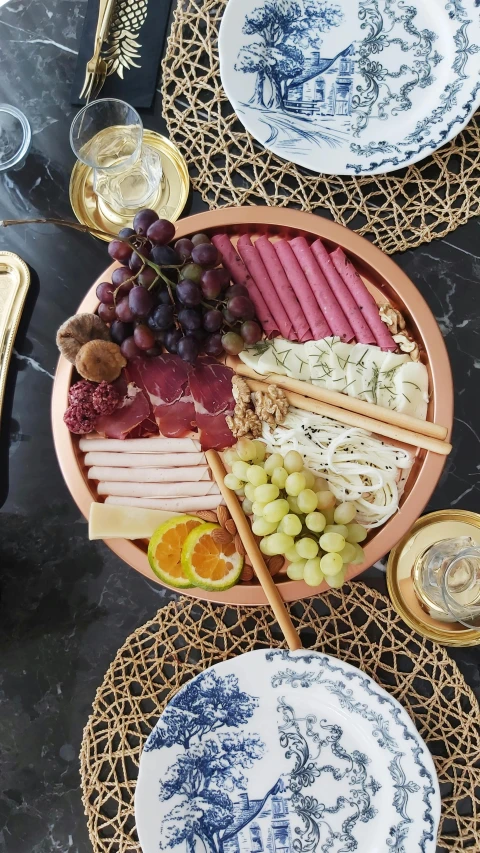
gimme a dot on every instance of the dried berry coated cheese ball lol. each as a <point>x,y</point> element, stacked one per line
<point>105,399</point>
<point>81,392</point>
<point>80,418</point>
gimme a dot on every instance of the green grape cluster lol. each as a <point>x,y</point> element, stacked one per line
<point>295,513</point>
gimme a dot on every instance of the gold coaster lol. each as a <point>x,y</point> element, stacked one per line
<point>14,284</point>
<point>169,203</point>
<point>427,531</point>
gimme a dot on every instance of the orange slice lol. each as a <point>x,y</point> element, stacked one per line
<point>165,549</point>
<point>208,564</point>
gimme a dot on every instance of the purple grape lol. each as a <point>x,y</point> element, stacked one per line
<point>213,282</point>
<point>146,277</point>
<point>190,319</point>
<point>205,254</point>
<point>237,290</point>
<point>165,256</point>
<point>192,271</point>
<point>143,219</point>
<point>119,251</point>
<point>171,340</point>
<point>213,320</point>
<point>141,301</point>
<point>106,312</point>
<point>162,317</point>
<point>129,349</point>
<point>164,297</point>
<point>251,332</point>
<point>183,248</point>
<point>232,343</point>
<point>241,307</point>
<point>161,232</point>
<point>188,349</point>
<point>198,239</point>
<point>143,337</point>
<point>120,331</point>
<point>123,310</point>
<point>213,345</point>
<point>228,317</point>
<point>120,275</point>
<point>126,233</point>
<point>104,292</point>
<point>189,293</point>
<point>135,263</point>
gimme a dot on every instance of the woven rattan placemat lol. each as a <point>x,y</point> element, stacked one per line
<point>398,211</point>
<point>356,624</point>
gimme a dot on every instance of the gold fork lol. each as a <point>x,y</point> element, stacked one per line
<point>97,68</point>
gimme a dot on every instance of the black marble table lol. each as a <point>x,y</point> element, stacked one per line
<point>67,604</point>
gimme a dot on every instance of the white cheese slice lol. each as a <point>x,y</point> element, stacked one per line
<point>386,388</point>
<point>124,522</point>
<point>326,359</point>
<point>251,355</point>
<point>411,383</point>
<point>287,358</point>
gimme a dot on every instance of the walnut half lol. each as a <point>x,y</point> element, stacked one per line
<point>407,345</point>
<point>271,405</point>
<point>392,318</point>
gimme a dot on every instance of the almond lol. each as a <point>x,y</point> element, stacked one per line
<point>223,515</point>
<point>221,537</point>
<point>231,526</point>
<point>239,546</point>
<point>207,515</point>
<point>247,574</point>
<point>275,564</point>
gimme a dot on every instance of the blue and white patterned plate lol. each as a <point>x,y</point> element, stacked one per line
<point>281,751</point>
<point>352,87</point>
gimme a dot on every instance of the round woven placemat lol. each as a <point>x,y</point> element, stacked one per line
<point>356,624</point>
<point>228,167</point>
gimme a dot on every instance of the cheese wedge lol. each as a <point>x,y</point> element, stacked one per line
<point>124,522</point>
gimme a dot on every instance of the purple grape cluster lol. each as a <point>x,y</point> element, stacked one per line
<point>196,310</point>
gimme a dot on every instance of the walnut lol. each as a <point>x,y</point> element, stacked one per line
<point>393,318</point>
<point>406,344</point>
<point>244,419</point>
<point>241,391</point>
<point>79,330</point>
<point>271,405</point>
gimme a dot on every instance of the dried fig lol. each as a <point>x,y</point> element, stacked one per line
<point>79,330</point>
<point>100,360</point>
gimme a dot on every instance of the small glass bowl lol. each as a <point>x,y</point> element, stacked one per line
<point>15,137</point>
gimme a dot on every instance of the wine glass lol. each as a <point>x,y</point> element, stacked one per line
<point>448,575</point>
<point>107,135</point>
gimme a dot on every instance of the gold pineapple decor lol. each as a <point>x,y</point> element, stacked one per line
<point>122,47</point>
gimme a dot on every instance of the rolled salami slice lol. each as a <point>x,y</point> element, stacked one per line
<point>324,295</point>
<point>169,504</point>
<point>240,275</point>
<point>284,289</point>
<point>159,490</point>
<point>318,324</point>
<point>363,333</point>
<point>364,299</point>
<point>256,268</point>
<point>149,475</point>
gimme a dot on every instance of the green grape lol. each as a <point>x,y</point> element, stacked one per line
<point>331,564</point>
<point>290,524</point>
<point>245,449</point>
<point>241,469</point>
<point>292,555</point>
<point>295,570</point>
<point>293,504</point>
<point>263,528</point>
<point>247,506</point>
<point>260,450</point>
<point>336,581</point>
<point>315,522</point>
<point>273,461</point>
<point>295,483</point>
<point>348,553</point>
<point>230,456</point>
<point>332,542</point>
<point>328,513</point>
<point>356,533</point>
<point>342,529</point>
<point>258,508</point>
<point>266,493</point>
<point>256,475</point>
<point>232,482</point>
<point>345,513</point>
<point>275,510</point>
<point>325,499</point>
<point>250,491</point>
<point>293,462</point>
<point>279,477</point>
<point>321,485</point>
<point>312,573</point>
<point>307,500</point>
<point>240,492</point>
<point>307,547</point>
<point>360,555</point>
<point>264,547</point>
<point>309,479</point>
<point>278,543</point>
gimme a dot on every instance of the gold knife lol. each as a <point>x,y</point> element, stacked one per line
<point>14,284</point>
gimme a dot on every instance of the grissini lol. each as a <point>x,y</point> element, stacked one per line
<point>144,460</point>
<point>149,475</point>
<point>159,490</point>
<point>168,504</point>
<point>154,444</point>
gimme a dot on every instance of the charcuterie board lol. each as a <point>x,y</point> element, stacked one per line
<point>387,284</point>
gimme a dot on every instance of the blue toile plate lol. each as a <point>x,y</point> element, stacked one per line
<point>281,751</point>
<point>352,87</point>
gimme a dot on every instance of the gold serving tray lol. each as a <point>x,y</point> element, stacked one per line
<point>387,283</point>
<point>14,284</point>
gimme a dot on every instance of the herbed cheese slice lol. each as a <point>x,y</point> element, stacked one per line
<point>287,358</point>
<point>411,384</point>
<point>124,522</point>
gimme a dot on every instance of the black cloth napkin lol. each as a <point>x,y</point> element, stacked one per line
<point>136,38</point>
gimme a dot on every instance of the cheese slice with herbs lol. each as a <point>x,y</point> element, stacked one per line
<point>124,522</point>
<point>411,384</point>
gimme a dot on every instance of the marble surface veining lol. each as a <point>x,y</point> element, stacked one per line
<point>67,604</point>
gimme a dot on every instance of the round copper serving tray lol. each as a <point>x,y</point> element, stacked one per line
<point>387,283</point>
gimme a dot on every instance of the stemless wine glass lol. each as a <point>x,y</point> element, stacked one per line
<point>447,575</point>
<point>15,138</point>
<point>107,135</point>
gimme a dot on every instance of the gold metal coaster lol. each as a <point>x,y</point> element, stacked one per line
<point>14,284</point>
<point>169,203</point>
<point>427,531</point>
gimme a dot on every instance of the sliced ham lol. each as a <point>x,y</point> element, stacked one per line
<point>164,379</point>
<point>141,445</point>
<point>159,490</point>
<point>149,475</point>
<point>363,333</point>
<point>144,460</point>
<point>284,289</point>
<point>305,296</point>
<point>169,504</point>
<point>211,387</point>
<point>256,268</point>
<point>240,275</point>
<point>133,410</point>
<point>324,295</point>
<point>364,299</point>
